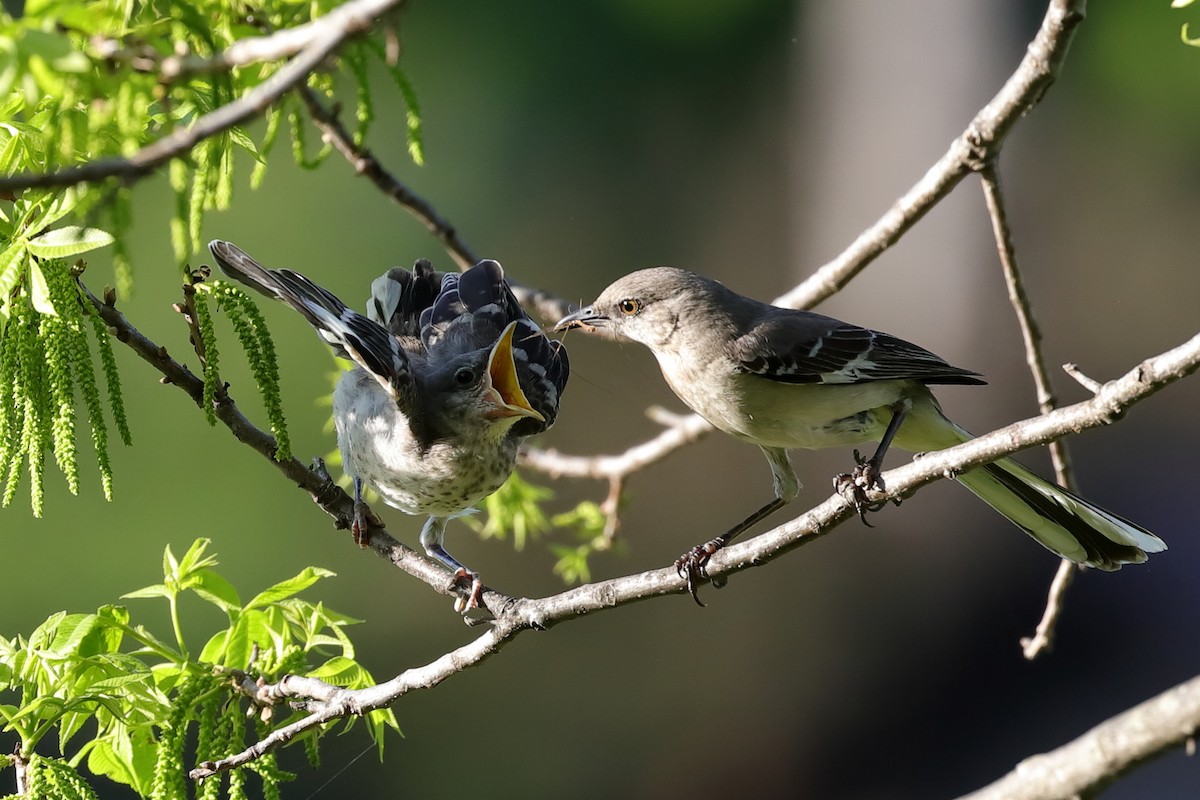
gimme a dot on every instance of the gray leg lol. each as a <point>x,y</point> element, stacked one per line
<point>854,485</point>
<point>364,518</point>
<point>432,537</point>
<point>690,565</point>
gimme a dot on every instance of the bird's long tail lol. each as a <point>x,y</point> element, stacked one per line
<point>1058,519</point>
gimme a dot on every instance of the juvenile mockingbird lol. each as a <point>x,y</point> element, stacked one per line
<point>781,378</point>
<point>450,376</point>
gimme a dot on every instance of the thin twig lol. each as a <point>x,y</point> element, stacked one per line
<point>1083,380</point>
<point>327,35</point>
<point>21,768</point>
<point>519,614</point>
<point>687,429</point>
<point>366,164</point>
<point>1031,334</point>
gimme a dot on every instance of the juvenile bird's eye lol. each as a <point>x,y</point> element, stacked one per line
<point>629,306</point>
<point>464,376</point>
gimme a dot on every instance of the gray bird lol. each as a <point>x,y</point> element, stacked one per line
<point>781,378</point>
<point>450,376</point>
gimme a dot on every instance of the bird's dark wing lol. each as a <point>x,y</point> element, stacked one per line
<point>399,296</point>
<point>802,347</point>
<point>354,336</point>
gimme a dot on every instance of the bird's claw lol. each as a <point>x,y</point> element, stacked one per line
<point>472,600</point>
<point>364,520</point>
<point>690,565</point>
<point>854,485</point>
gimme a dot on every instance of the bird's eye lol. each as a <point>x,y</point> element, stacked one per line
<point>629,306</point>
<point>464,376</point>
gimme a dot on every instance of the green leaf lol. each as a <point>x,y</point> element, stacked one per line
<point>239,137</point>
<point>157,590</point>
<point>249,630</point>
<point>126,757</point>
<point>307,577</point>
<point>341,671</point>
<point>195,559</point>
<point>376,722</point>
<point>12,261</point>
<point>10,68</point>
<point>118,615</point>
<point>214,648</point>
<point>39,291</point>
<point>68,241</point>
<point>60,204</point>
<point>215,589</point>
<point>55,49</point>
<point>69,725</point>
<point>11,147</point>
<point>72,633</point>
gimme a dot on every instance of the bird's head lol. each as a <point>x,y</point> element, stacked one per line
<point>645,306</point>
<point>483,385</point>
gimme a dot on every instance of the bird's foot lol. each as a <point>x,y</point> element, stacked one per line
<point>854,486</point>
<point>364,520</point>
<point>472,600</point>
<point>690,565</point>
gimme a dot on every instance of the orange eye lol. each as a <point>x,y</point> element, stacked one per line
<point>629,306</point>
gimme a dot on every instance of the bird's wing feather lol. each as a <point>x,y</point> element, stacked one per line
<point>362,340</point>
<point>801,347</point>
<point>399,296</point>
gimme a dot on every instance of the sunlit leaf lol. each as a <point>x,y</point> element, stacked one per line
<point>68,241</point>
<point>215,589</point>
<point>39,291</point>
<point>307,577</point>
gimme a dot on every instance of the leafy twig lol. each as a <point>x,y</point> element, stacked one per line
<point>324,37</point>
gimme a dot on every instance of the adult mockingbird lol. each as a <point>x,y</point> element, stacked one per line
<point>450,376</point>
<point>781,378</point>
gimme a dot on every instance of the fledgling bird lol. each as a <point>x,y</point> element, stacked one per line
<point>781,379</point>
<point>450,376</point>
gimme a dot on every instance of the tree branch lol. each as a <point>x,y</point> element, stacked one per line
<point>1109,750</point>
<point>323,37</point>
<point>515,615</point>
<point>1031,334</point>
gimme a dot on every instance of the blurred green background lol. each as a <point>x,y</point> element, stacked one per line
<point>750,141</point>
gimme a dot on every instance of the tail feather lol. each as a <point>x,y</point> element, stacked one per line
<point>1060,520</point>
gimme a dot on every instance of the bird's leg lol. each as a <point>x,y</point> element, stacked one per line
<point>865,476</point>
<point>690,565</point>
<point>364,517</point>
<point>432,536</point>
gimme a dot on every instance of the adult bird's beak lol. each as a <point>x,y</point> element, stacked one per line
<point>586,318</point>
<point>503,386</point>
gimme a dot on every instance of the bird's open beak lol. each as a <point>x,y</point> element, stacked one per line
<point>585,318</point>
<point>503,386</point>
